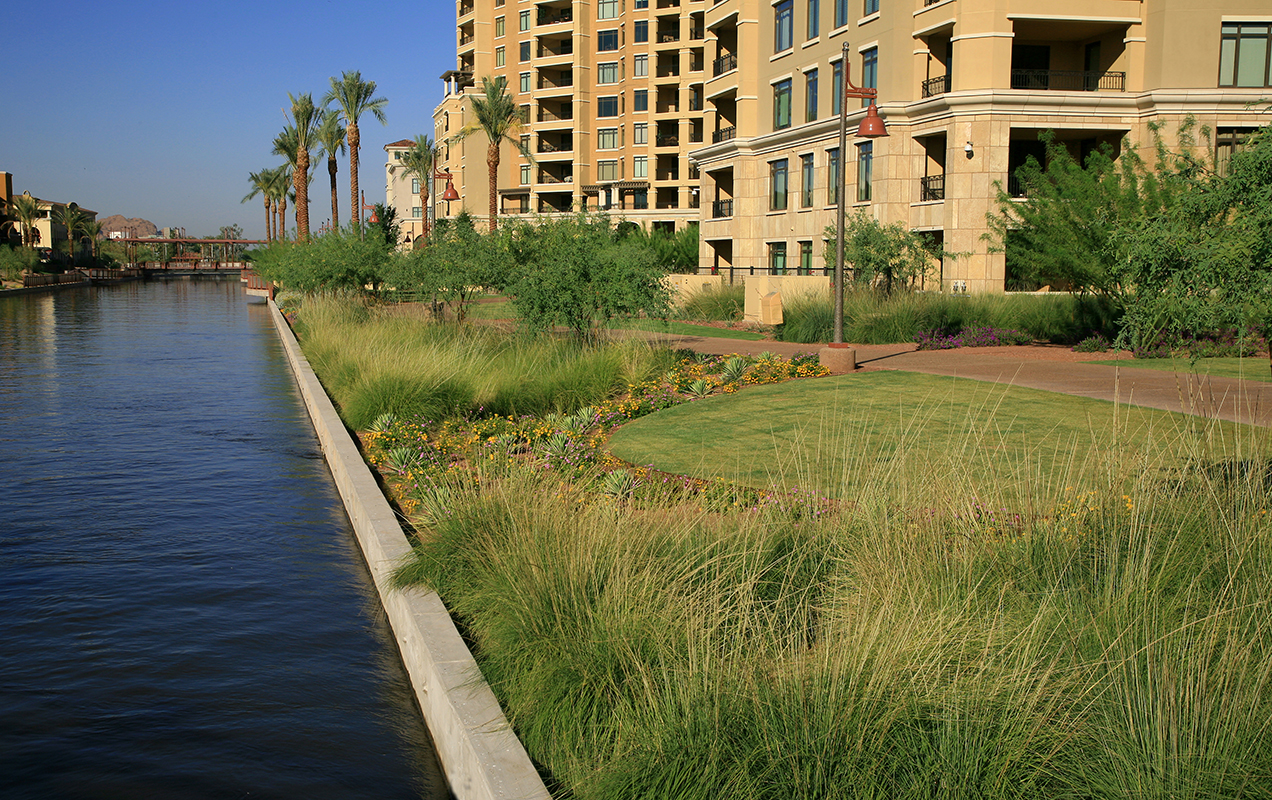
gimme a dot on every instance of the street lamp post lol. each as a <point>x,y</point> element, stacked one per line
<point>448,195</point>
<point>838,356</point>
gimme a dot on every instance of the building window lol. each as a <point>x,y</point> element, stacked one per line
<point>805,258</point>
<point>525,81</point>
<point>417,212</point>
<point>607,106</point>
<point>499,26</point>
<point>640,100</point>
<point>524,206</point>
<point>525,52</point>
<point>606,41</point>
<point>499,57</point>
<point>837,94</point>
<point>869,71</point>
<point>524,112</point>
<point>607,73</point>
<point>640,31</point>
<point>1245,55</point>
<point>640,133</point>
<point>1227,142</point>
<point>607,139</point>
<point>814,18</point>
<point>415,185</point>
<point>525,20</point>
<point>639,4</point>
<point>810,95</point>
<point>782,104</point>
<point>606,9</point>
<point>640,166</point>
<point>783,26</point>
<point>777,180</point>
<point>525,174</point>
<point>640,66</point>
<point>640,198</point>
<point>777,258</point>
<point>832,168</point>
<point>841,13</point>
<point>872,7</point>
<point>806,181</point>
<point>865,157</point>
<point>607,170</point>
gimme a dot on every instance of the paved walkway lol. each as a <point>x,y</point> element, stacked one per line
<point>1051,368</point>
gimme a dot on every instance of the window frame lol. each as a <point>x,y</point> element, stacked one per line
<point>606,100</point>
<point>640,65</point>
<point>1235,37</point>
<point>640,166</point>
<point>777,258</point>
<point>501,27</point>
<point>609,164</point>
<point>779,184</point>
<point>526,81</point>
<point>501,56</point>
<point>783,25</point>
<point>640,133</point>
<point>605,37</point>
<point>603,5</point>
<point>805,258</point>
<point>832,170</point>
<point>810,95</point>
<point>524,53</point>
<point>808,174</point>
<point>865,172</point>
<point>813,29</point>
<point>870,7</point>
<point>869,71</point>
<point>782,104</point>
<point>523,21</point>
<point>640,100</point>
<point>841,14</point>
<point>526,175</point>
<point>602,68</point>
<point>602,134</point>
<point>640,31</point>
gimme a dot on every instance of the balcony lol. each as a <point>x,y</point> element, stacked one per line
<point>722,209</point>
<point>936,86</point>
<point>931,187</point>
<point>467,8</point>
<point>668,37</point>
<point>564,80</point>
<point>670,140</point>
<point>697,33</point>
<point>725,63</point>
<point>724,134</point>
<point>564,47</point>
<point>1068,80</point>
<point>546,18</point>
<point>465,39</point>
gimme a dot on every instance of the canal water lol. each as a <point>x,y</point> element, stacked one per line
<point>184,612</point>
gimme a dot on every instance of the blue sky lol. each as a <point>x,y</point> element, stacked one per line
<point>160,110</point>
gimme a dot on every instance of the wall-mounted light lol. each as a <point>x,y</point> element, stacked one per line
<point>967,148</point>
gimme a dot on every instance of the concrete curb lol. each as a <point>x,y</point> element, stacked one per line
<point>479,753</point>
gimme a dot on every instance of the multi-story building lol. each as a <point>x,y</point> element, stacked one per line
<point>965,87</point>
<point>402,192</point>
<point>612,92</point>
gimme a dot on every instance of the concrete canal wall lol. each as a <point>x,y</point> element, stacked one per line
<point>482,758</point>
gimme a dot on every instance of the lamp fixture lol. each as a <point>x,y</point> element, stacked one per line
<point>967,148</point>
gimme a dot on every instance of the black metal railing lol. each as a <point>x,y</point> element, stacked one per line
<point>552,19</point>
<point>931,187</point>
<point>721,209</point>
<point>665,37</point>
<point>934,86</point>
<point>697,33</point>
<point>670,140</point>
<point>467,9</point>
<point>1015,187</point>
<point>465,39</point>
<point>927,3</point>
<point>1068,80</point>
<point>724,134</point>
<point>725,63</point>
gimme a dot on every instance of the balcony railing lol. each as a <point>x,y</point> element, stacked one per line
<point>721,209</point>
<point>935,86</point>
<point>566,48</point>
<point>724,134</point>
<point>553,19</point>
<point>695,136</point>
<point>547,177</point>
<point>670,140</point>
<point>555,147</point>
<point>564,83</point>
<point>1068,80</point>
<point>547,116</point>
<point>697,33</point>
<point>465,39</point>
<point>665,37</point>
<point>725,63</point>
<point>927,3</point>
<point>466,9</point>
<point>931,187</point>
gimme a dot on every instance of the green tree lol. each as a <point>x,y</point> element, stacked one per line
<point>353,98</point>
<point>419,162</point>
<point>338,261</point>
<point>302,136</point>
<point>455,266</point>
<point>495,114</point>
<point>259,181</point>
<point>26,211</point>
<point>883,257</point>
<point>386,226</point>
<point>280,182</point>
<point>574,271</point>
<point>92,230</point>
<point>72,218</point>
<point>331,136</point>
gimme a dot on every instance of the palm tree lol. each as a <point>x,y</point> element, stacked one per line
<point>496,114</point>
<point>280,190</point>
<point>353,98</point>
<point>25,210</point>
<point>260,185</point>
<point>73,218</point>
<point>419,162</point>
<point>93,230</point>
<point>331,135</point>
<point>303,133</point>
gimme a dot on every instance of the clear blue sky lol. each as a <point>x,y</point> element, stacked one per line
<point>160,110</point>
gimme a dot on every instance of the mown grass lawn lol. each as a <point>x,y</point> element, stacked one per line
<point>822,434</point>
<point>1249,369</point>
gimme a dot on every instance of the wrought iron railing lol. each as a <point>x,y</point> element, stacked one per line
<point>935,86</point>
<point>1068,80</point>
<point>931,187</point>
<point>725,63</point>
<point>724,134</point>
<point>721,209</point>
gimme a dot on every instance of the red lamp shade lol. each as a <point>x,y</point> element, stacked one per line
<point>450,193</point>
<point>872,126</point>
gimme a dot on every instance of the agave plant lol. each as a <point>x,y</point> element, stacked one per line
<point>700,388</point>
<point>382,423</point>
<point>734,369</point>
<point>402,459</point>
<point>435,503</point>
<point>767,355</point>
<point>558,445</point>
<point>619,484</point>
<point>581,421</point>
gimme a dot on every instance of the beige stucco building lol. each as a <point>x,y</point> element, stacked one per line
<point>725,112</point>
<point>47,232</point>
<point>403,192</point>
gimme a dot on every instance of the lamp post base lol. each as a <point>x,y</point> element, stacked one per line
<point>838,358</point>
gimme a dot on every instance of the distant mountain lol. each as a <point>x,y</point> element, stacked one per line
<point>132,228</point>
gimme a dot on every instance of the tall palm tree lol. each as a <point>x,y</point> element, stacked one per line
<point>306,118</point>
<point>93,230</point>
<point>353,98</point>
<point>331,135</point>
<point>25,210</point>
<point>419,162</point>
<point>260,185</point>
<point>496,114</point>
<point>280,190</point>
<point>73,218</point>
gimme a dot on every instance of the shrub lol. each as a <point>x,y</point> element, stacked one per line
<point>14,260</point>
<point>1093,344</point>
<point>719,303</point>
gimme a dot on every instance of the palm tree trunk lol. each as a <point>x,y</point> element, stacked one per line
<point>354,203</point>
<point>335,208</point>
<point>301,179</point>
<point>282,219</point>
<point>269,233</point>
<point>424,202</point>
<point>492,168</point>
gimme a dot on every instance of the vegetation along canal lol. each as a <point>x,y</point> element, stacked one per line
<point>185,610</point>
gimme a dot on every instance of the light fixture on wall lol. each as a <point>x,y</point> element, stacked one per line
<point>967,148</point>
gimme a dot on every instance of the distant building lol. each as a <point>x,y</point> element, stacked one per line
<point>402,193</point>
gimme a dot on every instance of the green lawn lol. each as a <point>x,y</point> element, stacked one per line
<point>1250,369</point>
<point>824,434</point>
<point>677,328</point>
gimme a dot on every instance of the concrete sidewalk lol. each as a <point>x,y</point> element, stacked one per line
<point>1050,368</point>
